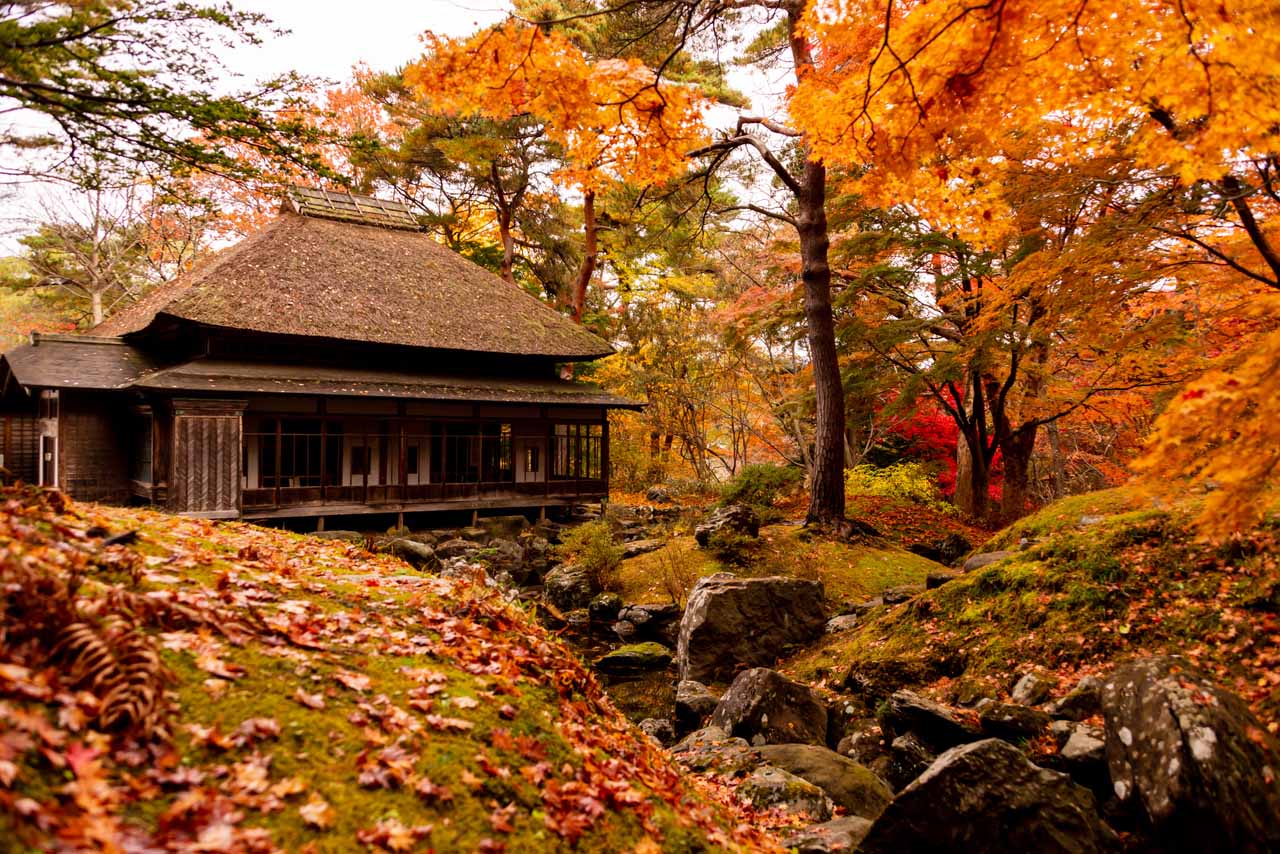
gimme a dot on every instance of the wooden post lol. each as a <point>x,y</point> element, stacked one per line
<point>279,445</point>
<point>319,524</point>
<point>542,513</point>
<point>400,521</point>
<point>604,453</point>
<point>324,456</point>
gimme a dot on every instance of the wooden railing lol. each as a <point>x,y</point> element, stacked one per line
<point>428,493</point>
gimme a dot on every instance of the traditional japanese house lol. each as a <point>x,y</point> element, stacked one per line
<point>337,362</point>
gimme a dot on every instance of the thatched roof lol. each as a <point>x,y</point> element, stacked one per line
<point>311,276</point>
<point>66,361</point>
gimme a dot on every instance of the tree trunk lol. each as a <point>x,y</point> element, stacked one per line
<point>1017,450</point>
<point>973,477</point>
<point>508,245</point>
<point>1059,460</point>
<point>826,487</point>
<point>95,299</point>
<point>589,255</point>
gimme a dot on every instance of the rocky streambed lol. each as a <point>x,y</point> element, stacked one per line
<point>1150,756</point>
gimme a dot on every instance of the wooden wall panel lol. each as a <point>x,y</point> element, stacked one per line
<point>20,445</point>
<point>205,475</point>
<point>93,446</point>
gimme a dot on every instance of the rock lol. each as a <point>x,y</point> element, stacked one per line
<point>833,837</point>
<point>460,569</point>
<point>765,707</point>
<point>503,527</point>
<point>503,556</point>
<point>641,547</point>
<point>604,607</point>
<point>633,659</point>
<point>649,622</point>
<point>898,595</point>
<point>978,561</point>
<point>736,518</point>
<point>1085,746</point>
<point>1086,521</point>
<point>925,550</point>
<point>456,547</point>
<point>694,702</point>
<point>863,742</point>
<point>841,624</point>
<point>344,536</point>
<point>1083,701</point>
<point>711,749</point>
<point>474,534</point>
<point>1012,722</point>
<point>908,758</point>
<point>1032,689</point>
<point>986,797</point>
<point>732,621</point>
<point>936,725</point>
<point>659,729</point>
<point>952,547</point>
<point>568,587</point>
<point>844,781</point>
<point>658,495</point>
<point>626,631</point>
<point>414,553</point>
<point>1194,759</point>
<point>772,788</point>
<point>938,577</point>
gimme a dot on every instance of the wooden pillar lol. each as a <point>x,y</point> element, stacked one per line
<point>324,457</point>
<point>319,524</point>
<point>604,452</point>
<point>279,446</point>
<point>400,521</point>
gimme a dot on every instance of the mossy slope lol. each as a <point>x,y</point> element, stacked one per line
<point>1104,576</point>
<point>358,705</point>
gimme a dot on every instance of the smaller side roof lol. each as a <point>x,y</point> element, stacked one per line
<point>75,361</point>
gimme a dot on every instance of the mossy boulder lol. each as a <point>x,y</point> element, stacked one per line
<point>634,659</point>
<point>848,784</point>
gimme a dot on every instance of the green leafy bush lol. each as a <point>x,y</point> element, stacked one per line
<point>731,547</point>
<point>904,481</point>
<point>759,485</point>
<point>593,547</point>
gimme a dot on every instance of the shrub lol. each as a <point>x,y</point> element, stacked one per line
<point>905,481</point>
<point>732,547</point>
<point>592,546</point>
<point>678,571</point>
<point>759,484</point>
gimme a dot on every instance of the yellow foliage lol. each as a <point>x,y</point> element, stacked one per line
<point>614,118</point>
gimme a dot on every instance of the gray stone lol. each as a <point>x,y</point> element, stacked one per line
<point>659,729</point>
<point>986,797</point>
<point>978,561</point>
<point>898,595</point>
<point>938,577</point>
<point>908,758</point>
<point>474,534</point>
<point>733,621</point>
<point>354,537</point>
<point>636,548</point>
<point>1083,701</point>
<point>863,743</point>
<point>626,630</point>
<point>848,784</point>
<point>568,587</point>
<point>769,788</point>
<point>766,707</point>
<point>1013,722</point>
<point>937,726</point>
<point>837,836</point>
<point>1086,745</point>
<point>712,750</point>
<point>1192,757</point>
<point>736,518</point>
<point>634,659</point>
<point>694,702</point>
<point>658,495</point>
<point>1086,521</point>
<point>604,607</point>
<point>841,624</point>
<point>1033,689</point>
<point>456,547</point>
<point>414,553</point>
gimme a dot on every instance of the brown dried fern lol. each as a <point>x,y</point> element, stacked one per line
<point>118,663</point>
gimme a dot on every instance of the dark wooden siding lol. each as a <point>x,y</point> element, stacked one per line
<point>93,452</point>
<point>20,444</point>
<point>205,468</point>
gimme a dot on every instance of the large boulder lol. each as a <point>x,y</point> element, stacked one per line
<point>908,757</point>
<point>736,518</point>
<point>414,553</point>
<point>731,621</point>
<point>934,723</point>
<point>568,587</point>
<point>769,788</point>
<point>694,702</point>
<point>1192,757</point>
<point>832,837</point>
<point>765,707</point>
<point>712,750</point>
<point>847,783</point>
<point>635,548</point>
<point>1032,689</point>
<point>456,547</point>
<point>505,527</point>
<point>604,607</point>
<point>1081,702</point>
<point>634,659</point>
<point>1013,722</point>
<point>978,561</point>
<point>987,797</point>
